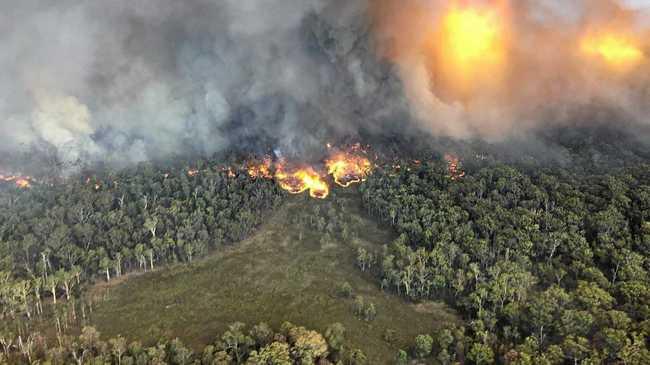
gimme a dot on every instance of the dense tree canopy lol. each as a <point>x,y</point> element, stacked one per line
<point>548,266</point>
<point>53,238</point>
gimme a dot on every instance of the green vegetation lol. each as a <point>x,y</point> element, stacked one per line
<point>274,276</point>
<point>546,267</point>
<point>502,264</point>
<point>259,345</point>
<point>53,239</point>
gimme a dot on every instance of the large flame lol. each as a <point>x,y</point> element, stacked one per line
<point>347,168</point>
<point>471,35</point>
<point>260,169</point>
<point>617,50</point>
<point>469,48</point>
<point>491,68</point>
<point>298,180</point>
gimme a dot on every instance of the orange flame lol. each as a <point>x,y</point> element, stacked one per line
<point>347,168</point>
<point>296,181</point>
<point>616,50</point>
<point>228,170</point>
<point>469,45</point>
<point>192,172</point>
<point>97,184</point>
<point>22,182</point>
<point>453,168</point>
<point>471,35</point>
<point>260,169</point>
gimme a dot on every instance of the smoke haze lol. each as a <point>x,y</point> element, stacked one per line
<point>126,81</point>
<point>539,76</point>
<point>123,81</point>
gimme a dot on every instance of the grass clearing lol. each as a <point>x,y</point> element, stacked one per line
<point>272,277</point>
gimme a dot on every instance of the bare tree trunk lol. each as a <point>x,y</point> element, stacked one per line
<point>44,265</point>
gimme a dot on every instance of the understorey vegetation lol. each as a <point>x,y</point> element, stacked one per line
<point>547,266</point>
<point>544,265</point>
<point>240,344</point>
<point>55,239</point>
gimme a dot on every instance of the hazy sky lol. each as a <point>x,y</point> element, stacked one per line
<point>638,3</point>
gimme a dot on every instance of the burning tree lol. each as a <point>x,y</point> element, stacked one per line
<point>453,163</point>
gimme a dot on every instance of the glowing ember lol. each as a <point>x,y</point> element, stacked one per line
<point>22,182</point>
<point>347,169</point>
<point>453,168</point>
<point>296,181</point>
<point>260,169</point>
<point>228,170</point>
<point>192,172</point>
<point>615,50</point>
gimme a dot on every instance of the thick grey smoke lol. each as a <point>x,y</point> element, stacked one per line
<point>125,81</point>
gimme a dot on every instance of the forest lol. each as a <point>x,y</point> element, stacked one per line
<point>325,182</point>
<point>256,345</point>
<point>548,267</point>
<point>545,265</point>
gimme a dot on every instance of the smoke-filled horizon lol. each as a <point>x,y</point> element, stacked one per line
<point>495,68</point>
<point>127,81</point>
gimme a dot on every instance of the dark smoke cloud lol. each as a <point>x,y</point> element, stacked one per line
<point>124,81</point>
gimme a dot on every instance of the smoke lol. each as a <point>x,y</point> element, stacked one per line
<point>127,81</point>
<point>533,73</point>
